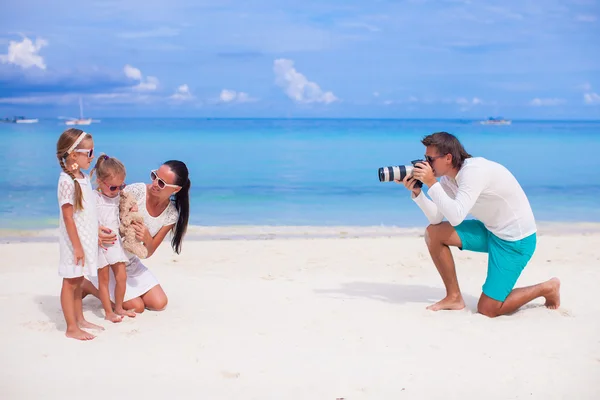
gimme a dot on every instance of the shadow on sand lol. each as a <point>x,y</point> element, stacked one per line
<point>50,306</point>
<point>395,293</point>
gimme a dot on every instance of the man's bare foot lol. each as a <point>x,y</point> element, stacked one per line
<point>88,325</point>
<point>122,312</point>
<point>77,333</point>
<point>448,303</point>
<point>553,295</point>
<point>113,317</point>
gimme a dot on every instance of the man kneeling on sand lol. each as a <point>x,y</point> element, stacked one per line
<point>504,225</point>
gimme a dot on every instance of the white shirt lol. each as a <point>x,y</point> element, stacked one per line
<point>154,224</point>
<point>86,222</point>
<point>486,190</point>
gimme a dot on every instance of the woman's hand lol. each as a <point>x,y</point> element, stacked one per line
<point>142,233</point>
<point>106,237</point>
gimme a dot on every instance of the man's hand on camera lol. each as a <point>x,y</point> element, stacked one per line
<point>424,173</point>
<point>409,183</point>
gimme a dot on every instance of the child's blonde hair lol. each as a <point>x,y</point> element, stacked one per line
<point>107,167</point>
<point>63,149</point>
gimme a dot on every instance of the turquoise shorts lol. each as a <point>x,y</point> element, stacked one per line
<point>506,259</point>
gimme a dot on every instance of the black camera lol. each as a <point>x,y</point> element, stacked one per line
<point>398,172</point>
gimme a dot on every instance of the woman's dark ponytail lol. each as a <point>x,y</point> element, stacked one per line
<point>182,202</point>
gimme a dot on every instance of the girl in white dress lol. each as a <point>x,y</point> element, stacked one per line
<point>164,204</point>
<point>78,227</point>
<point>110,178</point>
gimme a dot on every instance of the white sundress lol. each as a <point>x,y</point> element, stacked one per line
<point>139,278</point>
<point>86,221</point>
<point>108,216</point>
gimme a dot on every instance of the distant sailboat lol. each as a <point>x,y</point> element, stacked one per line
<point>80,120</point>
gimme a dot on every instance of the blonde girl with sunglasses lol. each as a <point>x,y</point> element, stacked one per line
<point>110,179</point>
<point>78,227</point>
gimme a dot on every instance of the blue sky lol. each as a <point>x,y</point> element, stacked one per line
<point>266,58</point>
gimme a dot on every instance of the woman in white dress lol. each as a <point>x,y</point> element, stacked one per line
<point>164,205</point>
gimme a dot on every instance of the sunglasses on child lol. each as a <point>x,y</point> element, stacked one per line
<point>89,152</point>
<point>161,183</point>
<point>115,188</point>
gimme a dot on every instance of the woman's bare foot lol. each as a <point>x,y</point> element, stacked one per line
<point>448,303</point>
<point>553,295</point>
<point>113,317</point>
<point>88,325</point>
<point>77,333</point>
<point>123,312</point>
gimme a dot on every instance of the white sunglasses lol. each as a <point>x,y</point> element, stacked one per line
<point>89,152</point>
<point>161,183</point>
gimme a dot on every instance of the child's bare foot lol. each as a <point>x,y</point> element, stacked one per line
<point>129,313</point>
<point>112,317</point>
<point>85,324</point>
<point>77,333</point>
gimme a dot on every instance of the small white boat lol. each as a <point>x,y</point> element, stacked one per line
<point>21,120</point>
<point>496,121</point>
<point>85,121</point>
<point>80,120</point>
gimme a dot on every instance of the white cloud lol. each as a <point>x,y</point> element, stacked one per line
<point>182,93</point>
<point>591,98</point>
<point>538,102</point>
<point>132,72</point>
<point>25,53</point>
<point>227,95</point>
<point>231,96</point>
<point>297,86</point>
<point>376,94</point>
<point>150,84</point>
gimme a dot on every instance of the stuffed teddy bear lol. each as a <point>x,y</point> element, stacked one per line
<point>128,213</point>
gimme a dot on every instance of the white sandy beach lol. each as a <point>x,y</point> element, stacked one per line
<point>306,313</point>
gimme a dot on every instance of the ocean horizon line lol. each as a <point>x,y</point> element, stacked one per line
<point>450,119</point>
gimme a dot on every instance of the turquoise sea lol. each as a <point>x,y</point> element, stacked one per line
<point>320,172</point>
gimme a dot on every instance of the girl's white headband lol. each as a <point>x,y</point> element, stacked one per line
<point>76,143</point>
